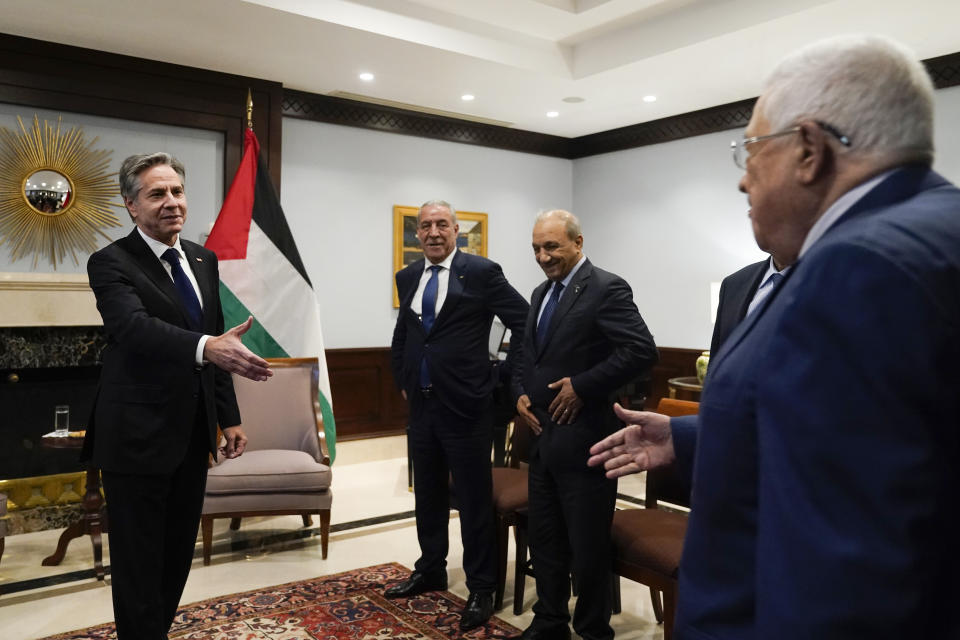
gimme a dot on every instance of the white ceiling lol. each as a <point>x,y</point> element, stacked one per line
<point>520,58</point>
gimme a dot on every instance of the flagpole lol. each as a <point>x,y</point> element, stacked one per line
<point>249,110</point>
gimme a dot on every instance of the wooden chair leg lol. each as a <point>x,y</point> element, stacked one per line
<point>657,606</point>
<point>503,542</point>
<point>615,593</point>
<point>520,565</point>
<point>3,542</point>
<point>669,611</point>
<point>234,524</point>
<point>324,532</point>
<point>307,520</point>
<point>206,532</point>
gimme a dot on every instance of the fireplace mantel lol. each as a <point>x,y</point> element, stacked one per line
<point>47,300</point>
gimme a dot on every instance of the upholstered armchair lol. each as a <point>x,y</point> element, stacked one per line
<point>285,469</point>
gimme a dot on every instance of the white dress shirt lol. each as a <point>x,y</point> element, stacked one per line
<point>443,280</point>
<point>565,282</point>
<point>158,249</point>
<point>766,285</point>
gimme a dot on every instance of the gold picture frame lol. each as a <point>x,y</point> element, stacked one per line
<point>406,247</point>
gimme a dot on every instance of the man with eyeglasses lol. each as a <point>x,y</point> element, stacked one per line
<point>440,362</point>
<point>826,491</point>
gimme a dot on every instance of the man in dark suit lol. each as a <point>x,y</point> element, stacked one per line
<point>164,388</point>
<point>584,339</point>
<point>441,364</point>
<point>736,292</point>
<point>825,487</point>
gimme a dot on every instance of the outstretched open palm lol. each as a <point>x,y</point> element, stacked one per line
<point>645,443</point>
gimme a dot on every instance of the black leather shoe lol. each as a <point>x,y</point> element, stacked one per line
<point>558,633</point>
<point>416,584</point>
<point>478,610</point>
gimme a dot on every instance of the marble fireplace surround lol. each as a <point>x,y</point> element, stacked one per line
<point>50,330</point>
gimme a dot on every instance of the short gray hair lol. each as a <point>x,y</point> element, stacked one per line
<point>438,203</point>
<point>570,221</point>
<point>133,166</point>
<point>869,88</point>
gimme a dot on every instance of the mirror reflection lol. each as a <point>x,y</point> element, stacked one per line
<point>48,191</point>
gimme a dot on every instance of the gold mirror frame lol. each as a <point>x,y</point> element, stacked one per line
<point>26,229</point>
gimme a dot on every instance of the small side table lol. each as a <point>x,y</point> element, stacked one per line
<point>689,386</point>
<point>93,522</point>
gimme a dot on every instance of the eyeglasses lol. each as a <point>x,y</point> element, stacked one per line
<point>740,152</point>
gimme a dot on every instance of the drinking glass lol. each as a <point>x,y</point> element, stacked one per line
<point>61,421</point>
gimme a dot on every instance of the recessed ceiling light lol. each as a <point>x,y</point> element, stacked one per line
<point>467,97</point>
<point>649,98</point>
<point>366,76</point>
<point>573,99</point>
<point>552,114</point>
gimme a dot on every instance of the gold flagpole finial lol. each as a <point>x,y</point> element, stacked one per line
<point>249,110</point>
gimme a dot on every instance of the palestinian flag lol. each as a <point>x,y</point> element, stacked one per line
<point>261,275</point>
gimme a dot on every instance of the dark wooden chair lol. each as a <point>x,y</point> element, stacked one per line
<point>510,498</point>
<point>286,467</point>
<point>648,543</point>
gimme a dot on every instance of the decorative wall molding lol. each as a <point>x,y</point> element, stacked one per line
<point>945,71</point>
<point>47,75</point>
<point>353,113</point>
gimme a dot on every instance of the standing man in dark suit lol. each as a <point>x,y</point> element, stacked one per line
<point>164,388</point>
<point>825,482</point>
<point>441,364</point>
<point>740,293</point>
<point>583,340</point>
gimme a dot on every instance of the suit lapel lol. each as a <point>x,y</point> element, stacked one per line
<point>150,265</point>
<point>456,281</point>
<point>205,282</point>
<point>411,281</point>
<point>568,298</point>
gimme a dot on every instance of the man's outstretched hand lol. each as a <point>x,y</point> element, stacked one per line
<point>645,443</point>
<point>228,353</point>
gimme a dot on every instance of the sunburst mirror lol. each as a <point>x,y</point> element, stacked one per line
<point>55,192</point>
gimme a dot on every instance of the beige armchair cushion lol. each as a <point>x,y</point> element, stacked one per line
<point>269,471</point>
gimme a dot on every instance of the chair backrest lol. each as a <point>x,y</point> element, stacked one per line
<point>520,437</point>
<point>665,483</point>
<point>283,412</point>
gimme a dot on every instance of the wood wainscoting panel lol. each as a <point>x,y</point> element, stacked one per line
<point>365,401</point>
<point>674,363</point>
<point>367,404</point>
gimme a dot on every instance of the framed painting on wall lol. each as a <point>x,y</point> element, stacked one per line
<point>472,238</point>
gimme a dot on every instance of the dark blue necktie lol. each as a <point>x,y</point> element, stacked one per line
<point>187,294</point>
<point>548,310</point>
<point>428,313</point>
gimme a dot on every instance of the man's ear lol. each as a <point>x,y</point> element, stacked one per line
<point>815,153</point>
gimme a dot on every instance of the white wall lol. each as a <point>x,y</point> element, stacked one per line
<point>200,151</point>
<point>670,220</point>
<point>339,188</point>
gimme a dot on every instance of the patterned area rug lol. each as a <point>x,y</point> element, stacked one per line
<point>343,606</point>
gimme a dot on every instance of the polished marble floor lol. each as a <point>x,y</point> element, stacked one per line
<point>370,483</point>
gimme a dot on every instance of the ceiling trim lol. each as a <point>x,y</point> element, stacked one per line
<point>353,113</point>
<point>945,71</point>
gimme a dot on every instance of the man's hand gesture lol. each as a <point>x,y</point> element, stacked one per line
<point>228,353</point>
<point>645,443</point>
